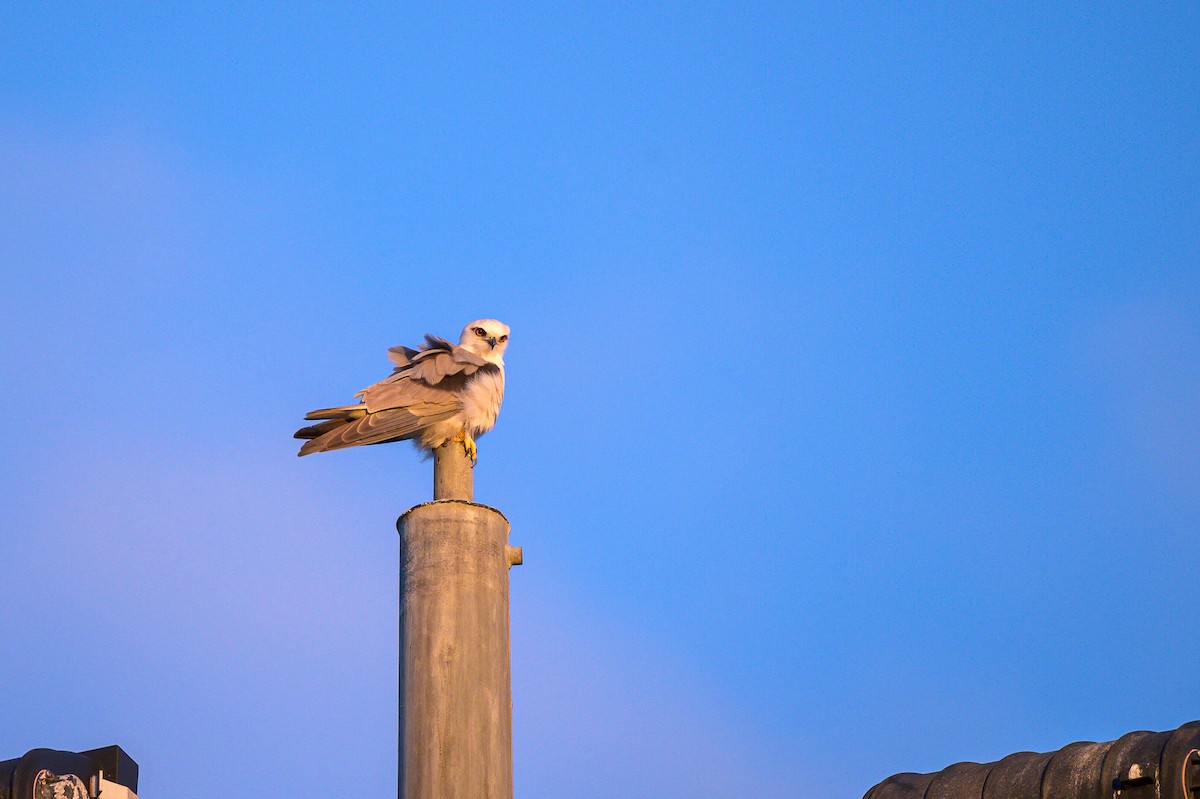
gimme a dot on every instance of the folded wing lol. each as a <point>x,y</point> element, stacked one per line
<point>422,390</point>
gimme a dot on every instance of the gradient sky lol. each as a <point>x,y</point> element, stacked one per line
<point>853,413</point>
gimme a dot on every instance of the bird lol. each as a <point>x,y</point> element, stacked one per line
<point>436,394</point>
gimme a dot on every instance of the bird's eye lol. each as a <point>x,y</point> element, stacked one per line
<point>503,339</point>
<point>479,331</point>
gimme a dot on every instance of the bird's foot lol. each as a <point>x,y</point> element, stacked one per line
<point>470,448</point>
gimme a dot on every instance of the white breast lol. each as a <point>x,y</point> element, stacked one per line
<point>481,399</point>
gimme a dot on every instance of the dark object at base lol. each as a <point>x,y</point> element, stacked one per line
<point>19,778</point>
<point>118,766</point>
<point>1140,765</point>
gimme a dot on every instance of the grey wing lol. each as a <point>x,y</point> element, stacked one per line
<point>437,361</point>
<point>441,359</point>
<point>394,409</point>
<point>393,424</point>
<point>421,391</point>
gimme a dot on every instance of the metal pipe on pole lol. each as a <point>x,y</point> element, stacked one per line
<point>455,668</point>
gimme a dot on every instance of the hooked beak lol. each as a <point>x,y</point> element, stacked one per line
<point>492,342</point>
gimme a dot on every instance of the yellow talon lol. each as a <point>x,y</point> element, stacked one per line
<point>471,449</point>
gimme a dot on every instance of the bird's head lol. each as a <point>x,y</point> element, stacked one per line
<point>487,338</point>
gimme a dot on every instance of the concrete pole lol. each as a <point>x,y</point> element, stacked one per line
<point>453,475</point>
<point>455,672</point>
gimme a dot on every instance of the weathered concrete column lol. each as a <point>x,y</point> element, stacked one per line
<point>453,474</point>
<point>455,672</point>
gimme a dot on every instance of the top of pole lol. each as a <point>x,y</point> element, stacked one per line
<point>453,473</point>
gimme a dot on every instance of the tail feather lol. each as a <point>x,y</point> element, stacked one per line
<point>318,430</point>
<point>310,447</point>
<point>342,412</point>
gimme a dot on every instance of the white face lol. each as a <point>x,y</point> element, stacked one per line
<point>486,337</point>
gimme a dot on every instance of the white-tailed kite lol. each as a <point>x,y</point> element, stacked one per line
<point>436,394</point>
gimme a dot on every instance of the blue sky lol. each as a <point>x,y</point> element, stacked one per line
<point>851,423</point>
